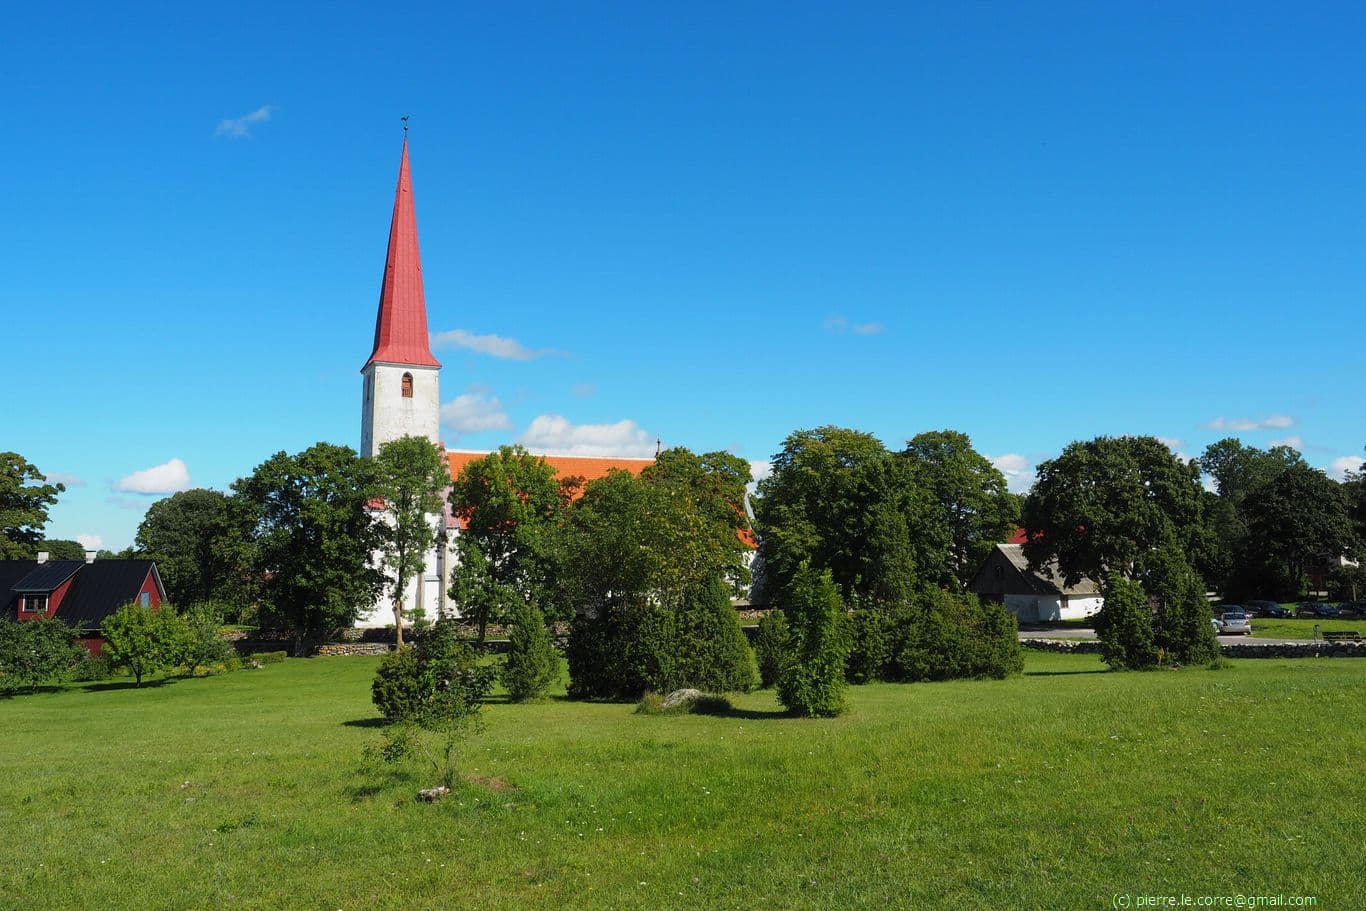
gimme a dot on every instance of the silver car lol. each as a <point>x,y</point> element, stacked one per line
<point>1235,622</point>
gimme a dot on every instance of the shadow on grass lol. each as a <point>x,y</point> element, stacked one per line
<point>375,722</point>
<point>126,685</point>
<point>1099,670</point>
<point>777,714</point>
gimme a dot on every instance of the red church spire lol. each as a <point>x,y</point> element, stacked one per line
<point>401,327</point>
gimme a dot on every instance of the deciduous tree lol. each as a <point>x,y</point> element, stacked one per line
<point>411,478</point>
<point>1103,503</point>
<point>201,541</point>
<point>144,640</point>
<point>969,494</point>
<point>25,496</point>
<point>314,538</point>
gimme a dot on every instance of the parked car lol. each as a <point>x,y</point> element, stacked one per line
<point>1267,609</point>
<point>1235,622</point>
<point>1352,609</point>
<point>1316,609</point>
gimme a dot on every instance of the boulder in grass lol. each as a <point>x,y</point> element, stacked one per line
<point>432,795</point>
<point>681,700</point>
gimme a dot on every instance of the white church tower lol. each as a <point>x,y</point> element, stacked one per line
<point>402,394</point>
<point>402,378</point>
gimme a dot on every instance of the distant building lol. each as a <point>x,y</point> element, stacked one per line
<point>82,593</point>
<point>1034,596</point>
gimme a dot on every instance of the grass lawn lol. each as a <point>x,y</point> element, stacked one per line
<point>1272,628</point>
<point>1052,790</point>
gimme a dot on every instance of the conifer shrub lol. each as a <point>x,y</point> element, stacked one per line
<point>770,643</point>
<point>533,664</point>
<point>1124,626</point>
<point>811,681</point>
<point>712,652</point>
<point>1181,627</point>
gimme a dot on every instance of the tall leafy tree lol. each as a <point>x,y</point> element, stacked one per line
<point>838,500</point>
<point>411,478</point>
<point>1297,519</point>
<point>717,482</point>
<point>25,496</point>
<point>969,494</point>
<point>314,538</point>
<point>1103,503</point>
<point>201,540</point>
<point>510,504</point>
<point>1237,470</point>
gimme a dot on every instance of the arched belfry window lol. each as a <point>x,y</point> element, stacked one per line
<point>407,385</point>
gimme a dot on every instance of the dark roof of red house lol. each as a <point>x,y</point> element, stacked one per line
<point>97,589</point>
<point>46,577</point>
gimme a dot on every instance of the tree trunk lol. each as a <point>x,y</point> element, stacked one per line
<point>398,612</point>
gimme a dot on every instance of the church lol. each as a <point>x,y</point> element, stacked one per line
<point>402,397</point>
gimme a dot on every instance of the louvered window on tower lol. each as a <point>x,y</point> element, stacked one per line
<point>407,385</point>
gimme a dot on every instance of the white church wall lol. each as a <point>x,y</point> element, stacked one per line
<point>389,415</point>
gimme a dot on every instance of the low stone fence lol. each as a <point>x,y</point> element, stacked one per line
<point>1306,649</point>
<point>353,648</point>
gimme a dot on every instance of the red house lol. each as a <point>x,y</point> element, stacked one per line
<point>80,592</point>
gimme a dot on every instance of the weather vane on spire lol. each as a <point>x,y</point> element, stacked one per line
<point>404,118</point>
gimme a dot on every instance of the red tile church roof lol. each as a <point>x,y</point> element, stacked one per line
<point>401,327</point>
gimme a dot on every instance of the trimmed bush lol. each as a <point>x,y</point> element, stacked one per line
<point>811,681</point>
<point>770,642</point>
<point>533,664</point>
<point>268,657</point>
<point>942,635</point>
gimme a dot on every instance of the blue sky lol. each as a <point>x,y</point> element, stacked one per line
<point>710,224</point>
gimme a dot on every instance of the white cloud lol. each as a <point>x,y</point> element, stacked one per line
<point>65,478</point>
<point>474,412</point>
<point>1338,468</point>
<point>1019,471</point>
<point>552,433</point>
<point>90,542</point>
<point>1274,422</point>
<point>240,127</point>
<point>1172,443</point>
<point>839,325</point>
<point>1293,441</point>
<point>493,345</point>
<point>168,477</point>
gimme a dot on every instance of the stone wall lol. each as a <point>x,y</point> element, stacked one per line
<point>1305,649</point>
<point>353,648</point>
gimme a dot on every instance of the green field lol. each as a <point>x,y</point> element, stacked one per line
<point>1290,628</point>
<point>1057,789</point>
